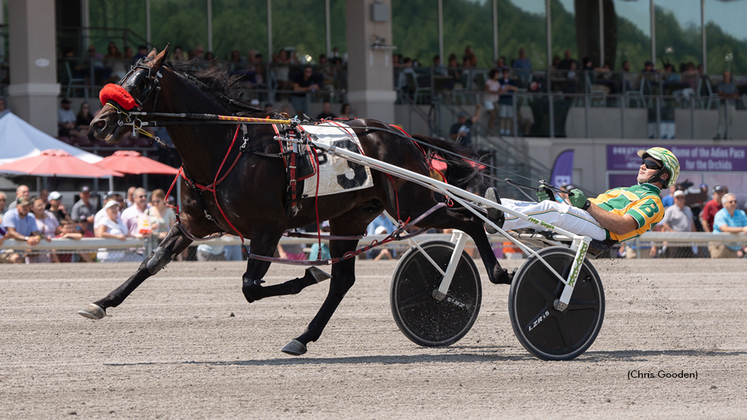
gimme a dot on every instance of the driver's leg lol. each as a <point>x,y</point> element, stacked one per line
<point>557,214</point>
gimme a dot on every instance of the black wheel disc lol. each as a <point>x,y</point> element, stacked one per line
<point>421,317</point>
<point>544,331</point>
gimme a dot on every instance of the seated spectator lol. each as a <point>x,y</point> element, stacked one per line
<point>453,71</point>
<point>20,225</point>
<point>565,63</point>
<point>68,231</point>
<point>115,62</point>
<point>729,219</point>
<point>303,85</point>
<point>95,61</point>
<point>326,71</point>
<point>83,121</point>
<point>461,131</point>
<point>438,67</point>
<point>142,52</point>
<point>135,217</point>
<point>345,111</point>
<point>178,54</point>
<point>281,68</point>
<point>66,119</point>
<point>46,225</point>
<point>402,84</point>
<point>111,227</point>
<point>326,112</point>
<point>314,254</point>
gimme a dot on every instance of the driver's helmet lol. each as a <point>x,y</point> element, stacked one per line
<point>668,160</point>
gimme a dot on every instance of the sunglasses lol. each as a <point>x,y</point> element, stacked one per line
<point>732,201</point>
<point>650,164</point>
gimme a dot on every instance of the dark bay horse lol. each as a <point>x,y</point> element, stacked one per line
<point>253,193</point>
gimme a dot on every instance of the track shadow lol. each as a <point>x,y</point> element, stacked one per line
<point>638,355</point>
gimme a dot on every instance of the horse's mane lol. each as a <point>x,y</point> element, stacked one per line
<point>219,85</point>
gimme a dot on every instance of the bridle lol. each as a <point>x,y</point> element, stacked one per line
<point>132,92</point>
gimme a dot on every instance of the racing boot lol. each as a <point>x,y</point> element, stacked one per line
<point>494,215</point>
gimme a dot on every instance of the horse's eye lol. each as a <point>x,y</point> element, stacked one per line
<point>141,85</point>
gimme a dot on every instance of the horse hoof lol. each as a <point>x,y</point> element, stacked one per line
<point>92,311</point>
<point>317,274</point>
<point>295,348</point>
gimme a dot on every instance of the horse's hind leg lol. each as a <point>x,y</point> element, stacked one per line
<point>265,243</point>
<point>174,243</point>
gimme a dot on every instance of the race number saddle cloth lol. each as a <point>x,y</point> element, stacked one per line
<point>335,174</point>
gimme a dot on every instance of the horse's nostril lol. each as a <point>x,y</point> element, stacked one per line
<point>100,124</point>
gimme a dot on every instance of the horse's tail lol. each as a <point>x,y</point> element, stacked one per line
<point>460,172</point>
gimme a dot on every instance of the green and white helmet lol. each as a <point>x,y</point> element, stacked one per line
<point>669,161</point>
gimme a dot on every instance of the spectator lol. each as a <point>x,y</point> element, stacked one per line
<point>21,226</point>
<point>210,252</point>
<point>712,207</point>
<point>402,84</point>
<point>83,121</point>
<point>232,252</point>
<point>281,68</point>
<point>453,70</point>
<point>142,52</point>
<point>345,110</point>
<point>114,61</point>
<point>236,63</point>
<point>438,67</point>
<point>381,253</point>
<point>461,131</point>
<point>130,197</point>
<point>727,92</point>
<point>161,217</point>
<point>729,219</point>
<point>46,225</point>
<point>55,206</point>
<point>327,72</point>
<point>128,54</point>
<point>111,227</point>
<point>83,209</point>
<point>668,201</point>
<point>3,200</point>
<point>101,214</point>
<point>3,109</point>
<point>314,254</point>
<point>21,191</point>
<point>500,63</point>
<point>302,86</point>
<point>291,252</point>
<point>490,97</point>
<point>326,112</point>
<point>565,63</point>
<point>677,218</point>
<point>66,119</point>
<point>506,102</point>
<point>95,61</point>
<point>469,58</point>
<point>135,217</point>
<point>68,231</point>
<point>380,224</point>
<point>178,54</point>
<point>523,67</point>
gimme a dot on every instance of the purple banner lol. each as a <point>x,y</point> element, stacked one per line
<point>692,158</point>
<point>562,170</point>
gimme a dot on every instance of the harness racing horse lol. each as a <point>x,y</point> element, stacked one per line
<point>250,200</point>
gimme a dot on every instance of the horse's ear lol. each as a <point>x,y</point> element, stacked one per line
<point>161,57</point>
<point>152,54</point>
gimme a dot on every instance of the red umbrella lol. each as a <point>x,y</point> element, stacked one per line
<point>131,162</point>
<point>55,162</point>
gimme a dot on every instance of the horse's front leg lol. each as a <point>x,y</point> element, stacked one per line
<point>343,278</point>
<point>173,244</point>
<point>265,244</point>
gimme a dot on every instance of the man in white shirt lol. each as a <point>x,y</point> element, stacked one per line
<point>131,214</point>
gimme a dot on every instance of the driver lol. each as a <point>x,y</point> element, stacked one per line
<point>619,214</point>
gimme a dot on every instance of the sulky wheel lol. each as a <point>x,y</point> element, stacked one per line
<point>421,317</point>
<point>542,330</point>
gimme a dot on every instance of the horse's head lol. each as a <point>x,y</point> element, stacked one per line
<point>135,90</point>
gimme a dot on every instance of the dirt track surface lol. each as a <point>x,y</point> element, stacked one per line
<point>173,350</point>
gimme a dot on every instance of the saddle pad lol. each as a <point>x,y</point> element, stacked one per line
<point>336,174</point>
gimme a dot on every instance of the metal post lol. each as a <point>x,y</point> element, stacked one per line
<point>210,24</point>
<point>653,32</point>
<point>637,248</point>
<point>147,24</point>
<point>495,29</point>
<point>516,108</point>
<point>601,33</point>
<point>269,34</point>
<point>703,36</point>
<point>658,117</point>
<point>622,118</point>
<point>549,68</point>
<point>440,34</point>
<point>727,133</point>
<point>328,27</point>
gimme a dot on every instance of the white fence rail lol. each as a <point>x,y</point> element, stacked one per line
<point>96,243</point>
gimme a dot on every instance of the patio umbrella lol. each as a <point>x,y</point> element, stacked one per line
<point>55,162</point>
<point>131,162</point>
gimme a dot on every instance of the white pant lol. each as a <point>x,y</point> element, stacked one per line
<point>560,215</point>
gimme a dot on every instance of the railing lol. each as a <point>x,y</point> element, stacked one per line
<point>639,245</point>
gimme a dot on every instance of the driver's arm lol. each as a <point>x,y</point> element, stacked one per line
<point>615,223</point>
